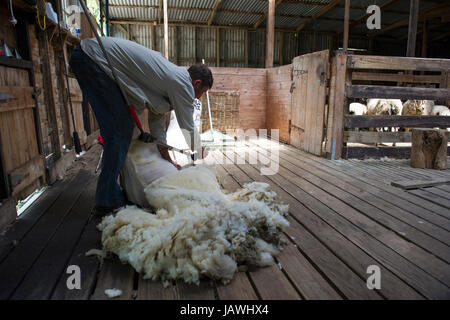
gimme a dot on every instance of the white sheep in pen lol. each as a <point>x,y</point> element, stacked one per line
<point>197,230</point>
<point>417,107</point>
<point>357,109</point>
<point>439,110</point>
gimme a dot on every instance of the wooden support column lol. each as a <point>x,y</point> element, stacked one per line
<point>218,47</point>
<point>166,30</point>
<point>107,17</point>
<point>424,39</point>
<point>412,28</point>
<point>346,19</point>
<point>339,106</point>
<point>270,31</point>
<point>246,49</point>
<point>281,48</point>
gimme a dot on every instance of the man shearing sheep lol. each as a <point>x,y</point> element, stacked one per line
<point>150,81</point>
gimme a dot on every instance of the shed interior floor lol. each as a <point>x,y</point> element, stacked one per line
<point>344,217</point>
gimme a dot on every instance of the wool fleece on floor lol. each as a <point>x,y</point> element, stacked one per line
<point>198,230</point>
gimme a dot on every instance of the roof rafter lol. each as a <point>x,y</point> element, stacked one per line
<point>325,9</point>
<point>213,14</point>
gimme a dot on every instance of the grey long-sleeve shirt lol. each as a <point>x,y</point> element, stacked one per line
<point>150,81</point>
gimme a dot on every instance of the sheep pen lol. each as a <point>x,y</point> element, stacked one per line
<point>197,229</point>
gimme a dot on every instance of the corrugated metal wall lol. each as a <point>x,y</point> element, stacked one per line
<point>190,44</point>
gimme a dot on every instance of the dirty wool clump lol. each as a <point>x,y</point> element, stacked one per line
<point>197,230</point>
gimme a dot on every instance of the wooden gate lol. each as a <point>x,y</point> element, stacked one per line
<point>310,74</point>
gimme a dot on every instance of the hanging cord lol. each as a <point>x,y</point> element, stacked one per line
<point>45,15</point>
<point>13,19</point>
<point>76,139</point>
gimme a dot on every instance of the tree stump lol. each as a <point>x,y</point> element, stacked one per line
<point>429,148</point>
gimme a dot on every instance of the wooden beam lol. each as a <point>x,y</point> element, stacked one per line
<point>403,93</point>
<point>166,30</point>
<point>424,39</point>
<point>376,137</point>
<point>217,47</point>
<point>264,15</point>
<point>397,121</point>
<point>270,32</point>
<point>441,36</point>
<point>246,49</point>
<point>397,63</point>
<point>213,14</point>
<point>412,28</point>
<point>160,10</point>
<point>346,29</point>
<point>327,8</point>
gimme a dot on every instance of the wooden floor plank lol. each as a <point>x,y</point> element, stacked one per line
<point>89,266</point>
<point>439,192</point>
<point>204,291</point>
<point>114,275</point>
<point>423,193</point>
<point>387,194</point>
<point>14,268</point>
<point>371,178</point>
<point>337,272</point>
<point>52,263</point>
<point>374,220</point>
<point>272,284</point>
<point>154,290</point>
<point>359,198</point>
<point>239,288</point>
<point>307,279</point>
<point>26,221</point>
<point>421,281</point>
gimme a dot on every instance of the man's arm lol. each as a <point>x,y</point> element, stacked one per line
<point>158,126</point>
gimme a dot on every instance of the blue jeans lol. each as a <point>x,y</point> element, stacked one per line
<point>116,125</point>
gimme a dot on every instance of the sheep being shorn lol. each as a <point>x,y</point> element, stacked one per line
<point>197,230</point>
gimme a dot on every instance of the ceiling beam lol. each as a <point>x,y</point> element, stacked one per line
<point>213,14</point>
<point>441,36</point>
<point>325,9</point>
<point>264,15</point>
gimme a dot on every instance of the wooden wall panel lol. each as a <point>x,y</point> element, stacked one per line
<point>251,85</point>
<point>278,110</point>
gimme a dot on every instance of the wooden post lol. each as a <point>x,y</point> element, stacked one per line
<point>107,17</point>
<point>218,47</point>
<point>412,28</point>
<point>339,105</point>
<point>429,148</point>
<point>153,35</point>
<point>424,39</point>
<point>246,49</point>
<point>270,30</point>
<point>346,18</point>
<point>166,31</point>
<point>281,48</point>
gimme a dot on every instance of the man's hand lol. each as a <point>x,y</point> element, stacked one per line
<point>146,137</point>
<point>204,152</point>
<point>177,166</point>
